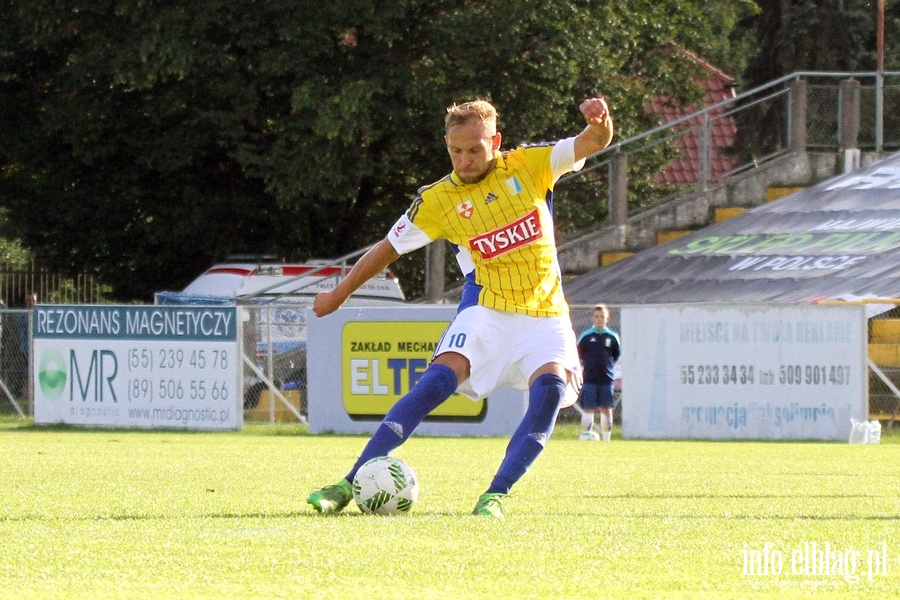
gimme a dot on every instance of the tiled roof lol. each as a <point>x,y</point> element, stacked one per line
<point>686,170</point>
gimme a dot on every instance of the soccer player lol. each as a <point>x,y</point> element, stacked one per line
<point>599,349</point>
<point>512,327</point>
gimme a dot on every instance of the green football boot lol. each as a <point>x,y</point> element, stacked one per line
<point>490,505</point>
<point>331,499</point>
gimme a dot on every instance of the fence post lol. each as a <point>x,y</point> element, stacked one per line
<point>618,189</point>
<point>798,95</point>
<point>705,150</point>
<point>879,112</point>
<point>849,119</point>
<point>434,270</point>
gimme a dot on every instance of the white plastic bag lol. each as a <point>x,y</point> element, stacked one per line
<point>865,432</point>
<point>859,432</point>
<point>874,432</point>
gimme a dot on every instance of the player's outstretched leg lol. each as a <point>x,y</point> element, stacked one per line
<point>526,443</point>
<point>435,386</point>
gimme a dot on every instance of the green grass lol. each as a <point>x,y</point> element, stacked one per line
<point>130,514</point>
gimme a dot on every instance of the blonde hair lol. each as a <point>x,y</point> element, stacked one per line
<point>482,110</point>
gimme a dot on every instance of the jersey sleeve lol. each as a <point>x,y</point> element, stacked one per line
<point>615,345</point>
<point>562,159</point>
<point>405,236</point>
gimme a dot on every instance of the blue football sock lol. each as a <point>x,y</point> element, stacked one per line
<point>532,434</point>
<point>436,385</point>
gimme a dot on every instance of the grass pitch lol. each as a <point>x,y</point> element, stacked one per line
<point>131,514</point>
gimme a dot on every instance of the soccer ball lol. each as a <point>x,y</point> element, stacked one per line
<point>589,436</point>
<point>385,486</point>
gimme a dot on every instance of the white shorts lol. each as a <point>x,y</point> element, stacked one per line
<point>505,349</point>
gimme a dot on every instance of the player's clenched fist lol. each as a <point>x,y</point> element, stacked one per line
<point>595,110</point>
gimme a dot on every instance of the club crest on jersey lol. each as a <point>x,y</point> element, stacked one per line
<point>515,186</point>
<point>465,209</point>
<point>509,237</point>
<point>399,229</point>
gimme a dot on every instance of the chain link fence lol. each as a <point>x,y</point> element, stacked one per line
<point>823,116</point>
<point>884,378</point>
<point>15,362</point>
<point>825,106</point>
<point>274,349</point>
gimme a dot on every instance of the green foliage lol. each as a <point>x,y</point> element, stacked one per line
<point>13,255</point>
<point>820,35</point>
<point>145,140</point>
<point>892,35</point>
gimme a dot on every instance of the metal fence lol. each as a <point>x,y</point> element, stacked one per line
<point>15,362</point>
<point>274,356</point>
<point>884,368</point>
<point>16,283</point>
<point>816,111</point>
<point>875,103</point>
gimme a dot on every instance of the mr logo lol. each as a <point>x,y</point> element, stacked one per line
<point>95,382</point>
<point>52,374</point>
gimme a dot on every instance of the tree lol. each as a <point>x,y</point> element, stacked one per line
<point>819,35</point>
<point>117,157</point>
<point>145,140</point>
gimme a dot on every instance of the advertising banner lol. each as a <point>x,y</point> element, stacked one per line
<point>360,361</point>
<point>137,366</point>
<point>760,371</point>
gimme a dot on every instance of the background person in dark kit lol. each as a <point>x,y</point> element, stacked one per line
<point>599,349</point>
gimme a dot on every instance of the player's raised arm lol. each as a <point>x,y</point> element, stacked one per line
<point>599,131</point>
<point>371,264</point>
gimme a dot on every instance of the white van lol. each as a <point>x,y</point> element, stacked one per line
<point>255,283</point>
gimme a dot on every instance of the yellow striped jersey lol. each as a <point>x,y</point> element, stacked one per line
<point>501,229</point>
